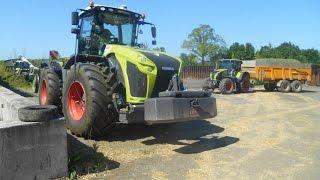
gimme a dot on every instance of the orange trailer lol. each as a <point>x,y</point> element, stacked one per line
<point>281,77</point>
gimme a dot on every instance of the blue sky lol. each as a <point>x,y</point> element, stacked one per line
<point>33,27</point>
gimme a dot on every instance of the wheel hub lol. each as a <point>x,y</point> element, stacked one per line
<point>246,85</point>
<point>43,93</point>
<point>76,101</point>
<point>229,86</point>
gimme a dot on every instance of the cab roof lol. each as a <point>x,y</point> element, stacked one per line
<point>97,8</point>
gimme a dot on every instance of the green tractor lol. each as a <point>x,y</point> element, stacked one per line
<point>111,79</point>
<point>24,68</point>
<point>228,78</point>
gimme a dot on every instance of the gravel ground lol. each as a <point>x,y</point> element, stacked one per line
<point>258,135</point>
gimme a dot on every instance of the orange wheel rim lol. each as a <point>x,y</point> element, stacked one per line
<point>76,101</point>
<point>43,93</point>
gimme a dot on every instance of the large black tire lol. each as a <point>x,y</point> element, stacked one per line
<point>208,85</point>
<point>97,85</point>
<point>226,86</point>
<point>37,113</point>
<point>245,83</point>
<point>296,86</point>
<point>270,86</point>
<point>50,88</point>
<point>285,86</point>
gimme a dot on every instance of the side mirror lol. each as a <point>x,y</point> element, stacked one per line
<point>154,31</point>
<point>75,30</point>
<point>75,18</point>
<point>154,42</point>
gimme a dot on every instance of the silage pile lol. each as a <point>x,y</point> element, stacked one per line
<point>278,63</point>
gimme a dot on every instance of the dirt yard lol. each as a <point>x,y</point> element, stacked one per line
<point>259,135</point>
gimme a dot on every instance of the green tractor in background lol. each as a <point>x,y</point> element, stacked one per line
<point>228,78</point>
<point>24,68</point>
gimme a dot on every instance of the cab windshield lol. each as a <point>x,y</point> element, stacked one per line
<point>230,65</point>
<point>116,29</point>
<point>98,30</point>
<point>226,65</point>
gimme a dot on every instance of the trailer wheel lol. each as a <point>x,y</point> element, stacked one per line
<point>245,83</point>
<point>285,86</point>
<point>87,100</point>
<point>50,88</point>
<point>207,85</point>
<point>226,86</point>
<point>296,86</point>
<point>270,86</point>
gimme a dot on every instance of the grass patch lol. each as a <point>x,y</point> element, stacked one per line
<point>85,159</point>
<point>10,80</point>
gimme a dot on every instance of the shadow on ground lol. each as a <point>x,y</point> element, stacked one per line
<point>175,134</point>
<point>204,144</point>
<point>84,159</point>
<point>265,91</point>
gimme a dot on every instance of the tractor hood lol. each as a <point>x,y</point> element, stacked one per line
<point>154,69</point>
<point>218,73</point>
<point>160,60</point>
<point>163,61</point>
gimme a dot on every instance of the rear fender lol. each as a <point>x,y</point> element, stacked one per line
<point>52,65</point>
<point>83,59</point>
<point>241,74</point>
<point>217,75</point>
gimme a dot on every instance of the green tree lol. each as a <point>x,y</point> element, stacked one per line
<point>159,49</point>
<point>287,50</point>
<point>241,51</point>
<point>203,42</point>
<point>188,59</point>
<point>222,53</point>
<point>310,56</point>
<point>266,52</point>
<point>250,51</point>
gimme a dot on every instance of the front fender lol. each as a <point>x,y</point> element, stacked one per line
<point>241,74</point>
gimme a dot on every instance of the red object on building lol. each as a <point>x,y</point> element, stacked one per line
<point>54,54</point>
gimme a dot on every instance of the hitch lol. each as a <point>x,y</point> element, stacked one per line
<point>175,84</point>
<point>195,103</point>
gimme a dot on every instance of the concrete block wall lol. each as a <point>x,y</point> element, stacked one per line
<point>10,102</point>
<point>30,150</point>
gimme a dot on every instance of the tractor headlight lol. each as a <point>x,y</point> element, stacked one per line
<point>143,59</point>
<point>144,62</point>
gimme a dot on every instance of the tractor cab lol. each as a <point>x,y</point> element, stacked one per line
<point>98,26</point>
<point>231,65</point>
<point>21,66</point>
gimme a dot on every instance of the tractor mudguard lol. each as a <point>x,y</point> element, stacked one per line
<point>240,75</point>
<point>83,58</point>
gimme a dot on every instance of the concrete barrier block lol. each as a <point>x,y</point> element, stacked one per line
<point>10,102</point>
<point>30,150</point>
